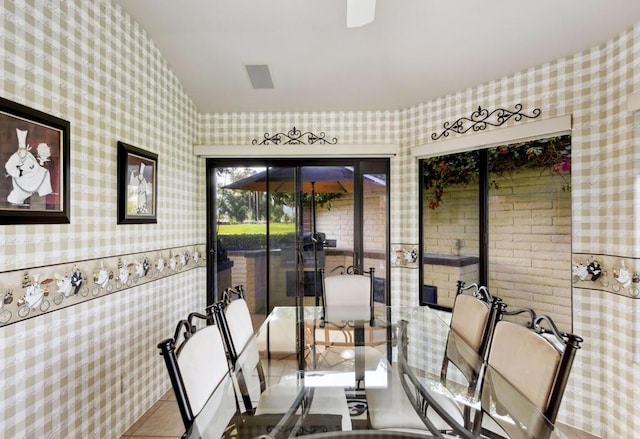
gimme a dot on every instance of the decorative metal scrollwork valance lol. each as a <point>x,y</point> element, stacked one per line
<point>481,118</point>
<point>295,137</point>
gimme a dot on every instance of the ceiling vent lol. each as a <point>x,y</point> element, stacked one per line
<point>259,75</point>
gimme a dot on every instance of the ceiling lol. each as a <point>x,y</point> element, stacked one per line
<point>414,51</point>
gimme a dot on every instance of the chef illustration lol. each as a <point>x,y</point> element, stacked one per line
<point>34,294</point>
<point>160,264</point>
<point>142,189</point>
<point>64,284</point>
<point>27,173</point>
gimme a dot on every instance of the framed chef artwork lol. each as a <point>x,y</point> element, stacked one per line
<point>34,149</point>
<point>137,185</point>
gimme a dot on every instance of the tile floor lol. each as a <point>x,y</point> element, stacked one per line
<point>162,420</point>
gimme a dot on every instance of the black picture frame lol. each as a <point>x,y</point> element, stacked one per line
<point>137,185</point>
<point>34,148</point>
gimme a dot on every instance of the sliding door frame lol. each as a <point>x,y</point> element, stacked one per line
<point>360,165</point>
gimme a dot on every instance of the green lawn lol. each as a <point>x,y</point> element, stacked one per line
<point>256,229</point>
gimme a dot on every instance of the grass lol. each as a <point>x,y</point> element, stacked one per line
<point>256,229</point>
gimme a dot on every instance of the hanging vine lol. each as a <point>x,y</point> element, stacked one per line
<point>552,154</point>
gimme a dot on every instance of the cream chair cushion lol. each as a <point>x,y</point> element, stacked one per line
<point>326,400</point>
<point>469,319</point>
<point>203,365</point>
<point>348,297</point>
<point>526,360</point>
<point>241,330</point>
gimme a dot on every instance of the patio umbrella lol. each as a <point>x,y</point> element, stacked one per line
<point>331,179</point>
<point>327,179</point>
<point>324,179</point>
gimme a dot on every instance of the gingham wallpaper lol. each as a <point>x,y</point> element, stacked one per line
<point>593,87</point>
<point>92,369</point>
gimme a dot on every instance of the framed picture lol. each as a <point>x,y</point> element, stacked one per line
<point>137,185</point>
<point>34,148</point>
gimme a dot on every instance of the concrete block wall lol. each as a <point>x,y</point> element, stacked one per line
<point>337,223</point>
<point>445,278</point>
<point>529,240</point>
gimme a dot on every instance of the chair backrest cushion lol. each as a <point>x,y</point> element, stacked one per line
<point>203,365</point>
<point>469,320</point>
<point>526,360</point>
<point>240,326</point>
<point>350,293</point>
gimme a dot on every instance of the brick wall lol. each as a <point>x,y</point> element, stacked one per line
<point>337,223</point>
<point>529,241</point>
<point>445,278</point>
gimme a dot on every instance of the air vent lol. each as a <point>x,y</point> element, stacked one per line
<point>259,75</point>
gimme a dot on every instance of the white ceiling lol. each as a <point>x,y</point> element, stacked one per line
<point>414,51</point>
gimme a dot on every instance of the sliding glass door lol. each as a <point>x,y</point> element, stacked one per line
<point>273,225</point>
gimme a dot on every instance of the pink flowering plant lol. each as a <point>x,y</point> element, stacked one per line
<point>549,155</point>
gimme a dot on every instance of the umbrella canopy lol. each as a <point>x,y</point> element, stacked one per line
<point>331,179</point>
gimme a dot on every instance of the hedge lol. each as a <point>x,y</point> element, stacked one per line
<point>255,242</point>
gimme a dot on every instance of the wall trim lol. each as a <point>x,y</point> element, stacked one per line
<point>296,151</point>
<point>500,136</point>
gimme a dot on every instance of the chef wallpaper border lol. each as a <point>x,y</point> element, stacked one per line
<point>35,291</point>
<point>34,147</point>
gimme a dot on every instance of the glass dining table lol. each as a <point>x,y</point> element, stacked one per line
<point>402,353</point>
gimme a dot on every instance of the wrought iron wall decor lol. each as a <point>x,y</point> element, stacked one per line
<point>295,137</point>
<point>481,118</point>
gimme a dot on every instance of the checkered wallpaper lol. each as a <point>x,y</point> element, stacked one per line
<point>91,369</point>
<point>593,87</point>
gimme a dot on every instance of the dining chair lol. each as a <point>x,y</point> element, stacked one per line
<point>263,397</point>
<point>347,296</point>
<point>347,307</point>
<point>473,317</point>
<point>197,364</point>
<point>534,358</point>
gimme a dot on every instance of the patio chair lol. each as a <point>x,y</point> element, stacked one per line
<point>199,371</point>
<point>535,359</point>
<point>474,315</point>
<point>234,318</point>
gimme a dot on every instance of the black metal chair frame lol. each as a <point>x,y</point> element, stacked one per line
<point>419,398</point>
<point>291,421</point>
<point>495,307</point>
<point>170,350</point>
<point>216,312</point>
<point>471,373</point>
<point>543,324</point>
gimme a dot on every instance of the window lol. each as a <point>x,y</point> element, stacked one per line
<point>501,216</point>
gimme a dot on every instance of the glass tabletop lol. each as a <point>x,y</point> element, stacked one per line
<point>410,350</point>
